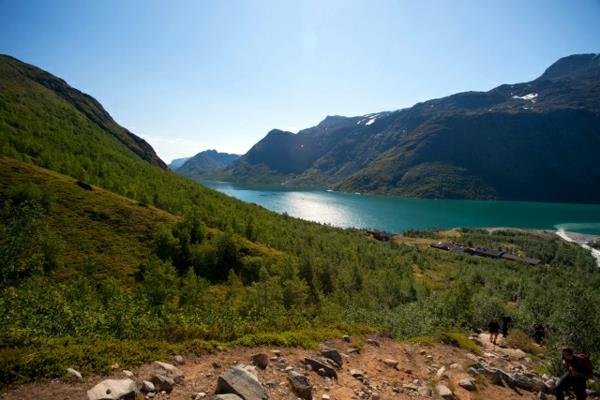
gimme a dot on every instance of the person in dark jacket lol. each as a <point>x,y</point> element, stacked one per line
<point>575,376</point>
<point>494,328</point>
<point>506,321</point>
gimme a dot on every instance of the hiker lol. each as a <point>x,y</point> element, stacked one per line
<point>578,369</point>
<point>506,321</point>
<point>494,328</point>
<point>539,333</point>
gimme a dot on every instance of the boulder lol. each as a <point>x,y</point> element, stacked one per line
<point>162,382</point>
<point>316,365</point>
<point>261,360</point>
<point>467,384</point>
<point>169,371</point>
<point>113,389</point>
<point>444,392</point>
<point>74,374</point>
<point>239,381</point>
<point>300,385</point>
<point>228,396</point>
<point>333,355</point>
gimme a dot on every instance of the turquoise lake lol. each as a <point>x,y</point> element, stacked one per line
<point>396,214</point>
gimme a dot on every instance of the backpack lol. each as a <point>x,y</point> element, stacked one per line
<point>585,365</point>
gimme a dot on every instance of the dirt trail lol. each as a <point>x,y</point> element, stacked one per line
<point>417,369</point>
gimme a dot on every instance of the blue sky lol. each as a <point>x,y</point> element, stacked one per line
<point>193,75</point>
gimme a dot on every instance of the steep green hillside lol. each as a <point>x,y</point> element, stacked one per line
<point>93,226</point>
<point>529,141</point>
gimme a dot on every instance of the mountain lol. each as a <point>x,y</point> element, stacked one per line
<point>178,162</point>
<point>537,140</point>
<point>206,161</point>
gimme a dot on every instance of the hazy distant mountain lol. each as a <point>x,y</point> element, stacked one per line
<point>538,140</point>
<point>178,162</point>
<point>205,162</point>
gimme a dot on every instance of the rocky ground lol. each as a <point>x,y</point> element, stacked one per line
<point>382,369</point>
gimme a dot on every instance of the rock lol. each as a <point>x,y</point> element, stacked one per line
<point>346,338</point>
<point>316,365</point>
<point>550,385</point>
<point>428,358</point>
<point>300,385</point>
<point>261,360</point>
<point>424,391</point>
<point>455,366</point>
<point>227,396</point>
<point>162,383</point>
<point>147,387</point>
<point>373,342</point>
<point>391,363</point>
<point>239,381</point>
<point>325,397</point>
<point>128,373</point>
<point>444,392</point>
<point>441,373</point>
<point>199,395</point>
<point>216,364</point>
<point>353,350</point>
<point>276,353</point>
<point>74,374</point>
<point>178,360</point>
<point>169,371</point>
<point>333,355</point>
<point>114,389</point>
<point>467,383</point>
<point>357,373</point>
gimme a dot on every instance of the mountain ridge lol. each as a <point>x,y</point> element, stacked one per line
<point>470,145</point>
<point>204,162</point>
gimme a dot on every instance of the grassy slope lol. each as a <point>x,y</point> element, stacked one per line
<point>115,231</point>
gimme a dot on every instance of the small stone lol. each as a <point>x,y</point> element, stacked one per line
<point>199,395</point>
<point>391,362</point>
<point>128,373</point>
<point>357,373</point>
<point>216,364</point>
<point>74,374</point>
<point>373,342</point>
<point>169,371</point>
<point>346,338</point>
<point>261,360</point>
<point>467,384</point>
<point>300,385</point>
<point>444,392</point>
<point>424,391</point>
<point>441,373</point>
<point>333,355</point>
<point>148,386</point>
<point>325,397</point>
<point>162,383</point>
<point>178,359</point>
<point>455,366</point>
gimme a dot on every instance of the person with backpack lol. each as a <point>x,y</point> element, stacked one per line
<point>578,369</point>
<point>494,329</point>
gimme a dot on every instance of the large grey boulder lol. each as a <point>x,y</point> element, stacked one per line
<point>239,381</point>
<point>300,385</point>
<point>114,389</point>
<point>162,382</point>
